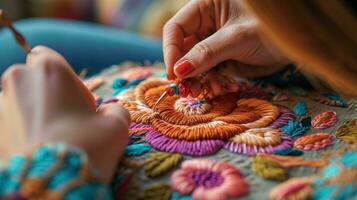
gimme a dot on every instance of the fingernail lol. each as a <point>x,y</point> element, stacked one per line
<point>183,68</point>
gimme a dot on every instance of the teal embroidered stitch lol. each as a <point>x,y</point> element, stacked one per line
<point>300,108</point>
<point>137,149</point>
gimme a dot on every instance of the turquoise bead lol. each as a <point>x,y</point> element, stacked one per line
<point>174,86</point>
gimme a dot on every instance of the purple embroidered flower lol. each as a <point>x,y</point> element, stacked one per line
<point>207,179</point>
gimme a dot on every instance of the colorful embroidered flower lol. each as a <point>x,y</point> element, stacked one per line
<point>314,142</point>
<point>192,127</point>
<point>295,188</point>
<point>324,120</point>
<point>260,140</point>
<point>207,179</point>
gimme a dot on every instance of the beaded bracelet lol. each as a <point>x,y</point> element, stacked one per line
<point>52,171</point>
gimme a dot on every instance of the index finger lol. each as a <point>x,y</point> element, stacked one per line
<point>44,57</point>
<point>186,22</point>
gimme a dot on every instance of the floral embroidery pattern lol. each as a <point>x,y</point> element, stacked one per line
<point>191,127</point>
<point>248,122</point>
<point>207,179</point>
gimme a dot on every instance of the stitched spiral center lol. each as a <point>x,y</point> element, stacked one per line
<point>190,106</point>
<point>207,179</point>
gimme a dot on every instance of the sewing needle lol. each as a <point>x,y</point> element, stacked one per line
<point>161,98</point>
<point>19,38</point>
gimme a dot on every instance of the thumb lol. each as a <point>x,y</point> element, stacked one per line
<point>206,54</point>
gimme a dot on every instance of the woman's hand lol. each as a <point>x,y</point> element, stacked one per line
<point>206,33</point>
<point>44,101</point>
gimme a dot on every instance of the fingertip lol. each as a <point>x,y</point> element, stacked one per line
<point>41,55</point>
<point>40,49</point>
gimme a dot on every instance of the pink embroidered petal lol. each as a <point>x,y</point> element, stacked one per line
<point>314,142</point>
<point>324,120</point>
<point>181,183</point>
<point>212,180</point>
<point>295,188</point>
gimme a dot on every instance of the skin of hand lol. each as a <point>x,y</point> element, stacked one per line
<point>209,33</point>
<point>44,101</point>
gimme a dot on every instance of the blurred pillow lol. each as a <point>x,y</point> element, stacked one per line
<point>144,16</point>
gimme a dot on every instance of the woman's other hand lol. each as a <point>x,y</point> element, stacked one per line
<point>207,33</point>
<point>44,101</point>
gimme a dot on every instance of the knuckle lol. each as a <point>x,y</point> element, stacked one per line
<point>49,64</point>
<point>169,26</point>
<point>13,72</point>
<point>39,48</point>
<point>243,32</point>
<point>204,50</point>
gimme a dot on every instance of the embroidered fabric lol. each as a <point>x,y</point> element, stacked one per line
<point>285,131</point>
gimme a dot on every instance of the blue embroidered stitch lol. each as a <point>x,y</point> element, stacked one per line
<point>289,152</point>
<point>137,149</point>
<point>295,128</point>
<point>300,108</point>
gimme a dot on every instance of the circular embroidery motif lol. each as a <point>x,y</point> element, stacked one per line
<point>193,127</point>
<point>192,106</point>
<point>206,179</point>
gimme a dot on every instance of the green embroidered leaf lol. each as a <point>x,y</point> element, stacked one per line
<point>269,170</point>
<point>158,192</point>
<point>160,163</point>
